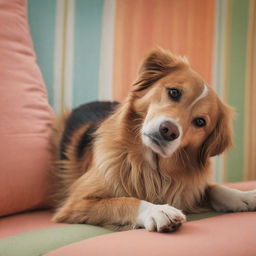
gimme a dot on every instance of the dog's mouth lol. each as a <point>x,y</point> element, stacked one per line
<point>157,144</point>
<point>155,139</point>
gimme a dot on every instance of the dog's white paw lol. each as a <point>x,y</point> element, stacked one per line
<point>160,218</point>
<point>233,200</point>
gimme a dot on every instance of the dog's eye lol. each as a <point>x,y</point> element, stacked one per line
<point>199,122</point>
<point>174,94</point>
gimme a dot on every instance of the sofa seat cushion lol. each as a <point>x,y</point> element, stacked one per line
<point>229,234</point>
<point>33,233</point>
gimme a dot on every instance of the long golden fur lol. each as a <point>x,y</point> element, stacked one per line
<point>105,185</point>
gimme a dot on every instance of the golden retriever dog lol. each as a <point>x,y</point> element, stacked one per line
<point>145,162</point>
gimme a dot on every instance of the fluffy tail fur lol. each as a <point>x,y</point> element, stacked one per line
<point>57,132</point>
<point>56,171</point>
<point>65,171</point>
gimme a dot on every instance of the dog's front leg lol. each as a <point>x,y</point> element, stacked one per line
<point>226,199</point>
<point>122,213</point>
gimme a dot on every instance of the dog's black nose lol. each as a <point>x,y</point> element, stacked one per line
<point>169,131</point>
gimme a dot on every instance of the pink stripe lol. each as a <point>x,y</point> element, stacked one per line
<point>25,222</point>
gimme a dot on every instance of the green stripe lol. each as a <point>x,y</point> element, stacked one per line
<point>41,241</point>
<point>236,84</point>
<point>42,16</point>
<point>205,215</point>
<point>88,23</point>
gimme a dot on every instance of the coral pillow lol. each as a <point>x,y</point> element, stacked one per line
<point>25,116</point>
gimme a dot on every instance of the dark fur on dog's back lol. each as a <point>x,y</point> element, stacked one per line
<point>90,113</point>
<point>72,138</point>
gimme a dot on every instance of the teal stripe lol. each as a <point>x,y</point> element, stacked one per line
<point>42,16</point>
<point>236,84</point>
<point>88,23</point>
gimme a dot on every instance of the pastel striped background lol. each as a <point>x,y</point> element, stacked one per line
<point>91,49</point>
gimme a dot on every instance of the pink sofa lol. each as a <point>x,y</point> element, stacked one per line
<point>26,119</point>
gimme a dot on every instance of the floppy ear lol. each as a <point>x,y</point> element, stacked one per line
<point>156,65</point>
<point>220,138</point>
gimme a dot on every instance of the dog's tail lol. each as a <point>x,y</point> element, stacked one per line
<point>59,188</point>
<point>57,133</point>
<point>65,170</point>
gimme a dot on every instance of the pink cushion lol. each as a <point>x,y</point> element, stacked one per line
<point>25,222</point>
<point>244,185</point>
<point>231,234</point>
<point>25,115</point>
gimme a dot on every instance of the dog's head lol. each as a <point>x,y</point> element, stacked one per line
<point>179,109</point>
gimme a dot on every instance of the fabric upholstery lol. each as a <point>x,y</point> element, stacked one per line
<point>230,234</point>
<point>38,242</point>
<point>25,116</point>
<point>33,233</point>
<point>26,222</point>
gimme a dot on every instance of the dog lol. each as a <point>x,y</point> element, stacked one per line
<point>145,162</point>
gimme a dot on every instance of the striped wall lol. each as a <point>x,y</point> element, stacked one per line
<point>144,24</point>
<point>91,49</point>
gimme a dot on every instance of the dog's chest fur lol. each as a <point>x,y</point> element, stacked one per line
<point>130,173</point>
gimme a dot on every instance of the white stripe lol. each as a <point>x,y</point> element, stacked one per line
<point>68,76</point>
<point>107,50</point>
<point>202,95</point>
<point>58,49</point>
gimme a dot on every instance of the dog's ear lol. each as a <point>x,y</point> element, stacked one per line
<point>220,138</point>
<point>157,65</point>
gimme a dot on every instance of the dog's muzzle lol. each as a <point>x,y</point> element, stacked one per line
<point>162,137</point>
<point>166,133</point>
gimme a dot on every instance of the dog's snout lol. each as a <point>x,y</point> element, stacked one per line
<point>169,131</point>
